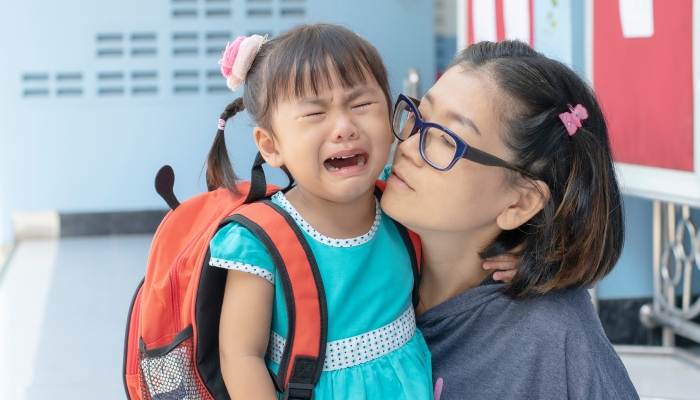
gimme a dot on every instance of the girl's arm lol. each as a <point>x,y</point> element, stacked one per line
<point>244,334</point>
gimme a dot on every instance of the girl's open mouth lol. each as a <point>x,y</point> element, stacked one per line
<point>344,162</point>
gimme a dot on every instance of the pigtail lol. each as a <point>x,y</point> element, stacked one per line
<point>219,169</point>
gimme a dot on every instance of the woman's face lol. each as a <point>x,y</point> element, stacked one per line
<point>469,196</point>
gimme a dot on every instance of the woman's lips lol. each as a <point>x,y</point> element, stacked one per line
<point>396,179</point>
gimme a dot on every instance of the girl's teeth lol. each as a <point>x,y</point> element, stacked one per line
<point>360,160</point>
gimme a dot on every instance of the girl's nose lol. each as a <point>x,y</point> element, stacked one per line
<point>410,148</point>
<point>344,130</point>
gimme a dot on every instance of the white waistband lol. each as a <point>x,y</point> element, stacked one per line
<point>358,349</point>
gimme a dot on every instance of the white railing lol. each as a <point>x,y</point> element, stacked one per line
<point>676,255</point>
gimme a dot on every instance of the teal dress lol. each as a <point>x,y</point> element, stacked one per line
<point>368,282</point>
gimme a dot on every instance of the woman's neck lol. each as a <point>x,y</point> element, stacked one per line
<point>333,219</point>
<point>451,264</point>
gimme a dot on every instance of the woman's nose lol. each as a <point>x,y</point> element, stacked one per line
<point>410,148</point>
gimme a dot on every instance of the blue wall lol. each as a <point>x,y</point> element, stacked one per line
<point>74,137</point>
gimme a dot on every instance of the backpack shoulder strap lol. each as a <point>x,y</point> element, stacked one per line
<point>412,242</point>
<point>305,347</point>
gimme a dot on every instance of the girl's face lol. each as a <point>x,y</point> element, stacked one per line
<point>336,143</point>
<point>469,196</point>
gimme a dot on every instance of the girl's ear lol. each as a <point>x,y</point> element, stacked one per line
<point>268,147</point>
<point>530,200</point>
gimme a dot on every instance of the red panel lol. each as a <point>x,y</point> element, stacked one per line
<point>646,85</point>
<point>532,22</point>
<point>500,21</point>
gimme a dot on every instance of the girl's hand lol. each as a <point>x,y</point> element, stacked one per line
<point>504,266</point>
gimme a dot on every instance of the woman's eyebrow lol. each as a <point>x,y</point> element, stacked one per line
<point>460,119</point>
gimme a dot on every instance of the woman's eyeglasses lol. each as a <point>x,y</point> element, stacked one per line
<point>439,146</point>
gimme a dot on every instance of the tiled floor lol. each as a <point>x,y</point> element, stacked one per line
<point>663,377</point>
<point>63,307</point>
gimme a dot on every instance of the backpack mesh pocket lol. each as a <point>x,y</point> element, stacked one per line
<point>168,373</point>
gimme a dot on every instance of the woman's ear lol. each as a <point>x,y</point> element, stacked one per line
<point>530,200</point>
<point>268,147</point>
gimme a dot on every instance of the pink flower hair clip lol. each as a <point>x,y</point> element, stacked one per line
<point>572,120</point>
<point>238,57</point>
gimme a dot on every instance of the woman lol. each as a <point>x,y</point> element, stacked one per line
<point>543,179</point>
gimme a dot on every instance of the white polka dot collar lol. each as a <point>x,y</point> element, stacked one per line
<point>316,235</point>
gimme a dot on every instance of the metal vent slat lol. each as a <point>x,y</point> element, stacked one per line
<point>109,37</point>
<point>185,36</point>
<point>110,76</point>
<point>69,76</point>
<point>36,92</point>
<point>260,12</point>
<point>218,35</point>
<point>218,13</point>
<point>110,52</point>
<point>186,89</point>
<point>35,77</point>
<point>191,74</point>
<point>144,90</point>
<point>69,92</point>
<point>143,37</point>
<point>185,51</point>
<point>110,91</point>
<point>190,13</point>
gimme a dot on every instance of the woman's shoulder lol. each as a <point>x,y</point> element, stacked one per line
<point>559,302</point>
<point>569,310</point>
<point>566,319</point>
<point>551,344</point>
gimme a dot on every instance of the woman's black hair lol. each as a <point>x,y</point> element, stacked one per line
<point>578,236</point>
<point>297,63</point>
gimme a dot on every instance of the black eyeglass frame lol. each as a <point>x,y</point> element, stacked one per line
<point>463,150</point>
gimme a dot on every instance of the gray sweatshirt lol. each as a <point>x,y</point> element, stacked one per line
<point>486,345</point>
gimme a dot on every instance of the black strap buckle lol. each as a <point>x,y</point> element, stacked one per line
<point>299,391</point>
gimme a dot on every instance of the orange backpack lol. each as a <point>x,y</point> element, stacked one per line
<point>172,334</point>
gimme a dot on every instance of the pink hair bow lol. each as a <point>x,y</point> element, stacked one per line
<point>572,120</point>
<point>238,58</point>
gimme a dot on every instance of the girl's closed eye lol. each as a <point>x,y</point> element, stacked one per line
<point>312,116</point>
<point>362,106</point>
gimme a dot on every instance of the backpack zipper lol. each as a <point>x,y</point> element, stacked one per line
<point>174,278</point>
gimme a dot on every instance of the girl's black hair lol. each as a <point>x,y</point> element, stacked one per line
<point>578,237</point>
<point>297,63</point>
